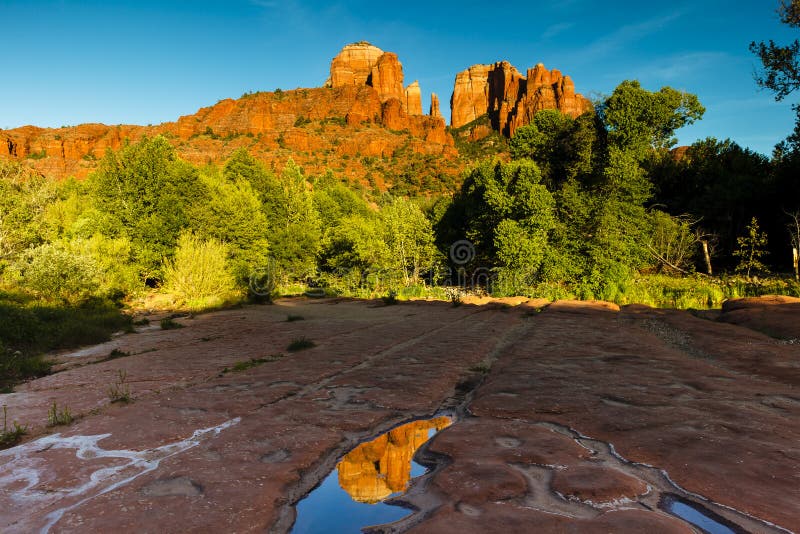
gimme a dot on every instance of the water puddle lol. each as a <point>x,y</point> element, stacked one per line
<point>702,518</point>
<point>354,495</point>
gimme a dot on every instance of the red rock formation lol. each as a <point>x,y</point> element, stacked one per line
<point>435,106</point>
<point>361,112</point>
<point>387,77</point>
<point>511,99</point>
<point>353,65</point>
<point>413,99</point>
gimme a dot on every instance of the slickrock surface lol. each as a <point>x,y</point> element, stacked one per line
<point>574,417</point>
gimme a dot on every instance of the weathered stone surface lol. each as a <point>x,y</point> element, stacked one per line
<point>435,111</point>
<point>353,65</point>
<point>580,400</point>
<point>511,99</point>
<point>776,316</point>
<point>413,99</point>
<point>387,77</point>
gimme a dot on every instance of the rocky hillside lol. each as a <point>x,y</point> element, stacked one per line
<point>363,124</point>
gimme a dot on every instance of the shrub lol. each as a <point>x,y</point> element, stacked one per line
<point>390,299</point>
<point>53,272</point>
<point>199,274</point>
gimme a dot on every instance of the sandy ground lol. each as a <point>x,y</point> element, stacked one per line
<point>572,417</point>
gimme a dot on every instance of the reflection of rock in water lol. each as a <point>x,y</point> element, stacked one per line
<point>374,470</point>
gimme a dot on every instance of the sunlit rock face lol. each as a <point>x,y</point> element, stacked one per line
<point>353,65</point>
<point>375,470</point>
<point>365,89</point>
<point>511,99</point>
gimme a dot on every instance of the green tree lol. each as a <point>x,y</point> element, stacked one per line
<point>295,229</point>
<point>507,213</point>
<point>781,63</point>
<point>562,147</point>
<point>234,215</point>
<point>24,198</point>
<point>151,192</point>
<point>751,248</point>
<point>409,237</point>
<point>637,119</point>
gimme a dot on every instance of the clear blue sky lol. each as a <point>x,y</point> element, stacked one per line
<point>143,61</point>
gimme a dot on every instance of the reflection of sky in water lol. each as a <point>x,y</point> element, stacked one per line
<point>331,509</point>
<point>697,518</point>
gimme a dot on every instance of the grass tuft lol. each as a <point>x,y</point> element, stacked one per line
<point>119,391</point>
<point>56,417</point>
<point>10,436</point>
<point>300,344</point>
<point>168,323</point>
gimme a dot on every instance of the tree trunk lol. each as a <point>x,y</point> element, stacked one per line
<point>707,257</point>
<point>796,260</point>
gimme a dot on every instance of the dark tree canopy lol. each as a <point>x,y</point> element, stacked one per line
<point>781,63</point>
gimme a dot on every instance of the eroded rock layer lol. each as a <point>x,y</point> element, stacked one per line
<point>511,99</point>
<point>363,111</point>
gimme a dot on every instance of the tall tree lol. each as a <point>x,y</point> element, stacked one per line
<point>781,72</point>
<point>151,192</point>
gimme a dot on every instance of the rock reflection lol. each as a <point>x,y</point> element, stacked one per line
<point>382,467</point>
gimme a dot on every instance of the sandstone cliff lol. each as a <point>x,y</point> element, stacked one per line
<point>511,99</point>
<point>357,125</point>
<point>435,106</point>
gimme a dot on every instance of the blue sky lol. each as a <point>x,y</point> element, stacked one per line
<point>143,62</point>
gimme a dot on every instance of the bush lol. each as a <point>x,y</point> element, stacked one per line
<point>199,274</point>
<point>29,327</point>
<point>51,272</point>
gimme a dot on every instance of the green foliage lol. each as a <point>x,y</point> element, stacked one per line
<point>234,215</point>
<point>672,242</point>
<point>294,226</point>
<point>638,119</point>
<point>507,214</point>
<point>24,198</point>
<point>781,63</point>
<point>51,272</point>
<point>390,299</point>
<point>10,435</point>
<point>751,249</point>
<point>723,186</point>
<point>408,235</point>
<point>56,417</point>
<point>199,274</point>
<point>151,193</point>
